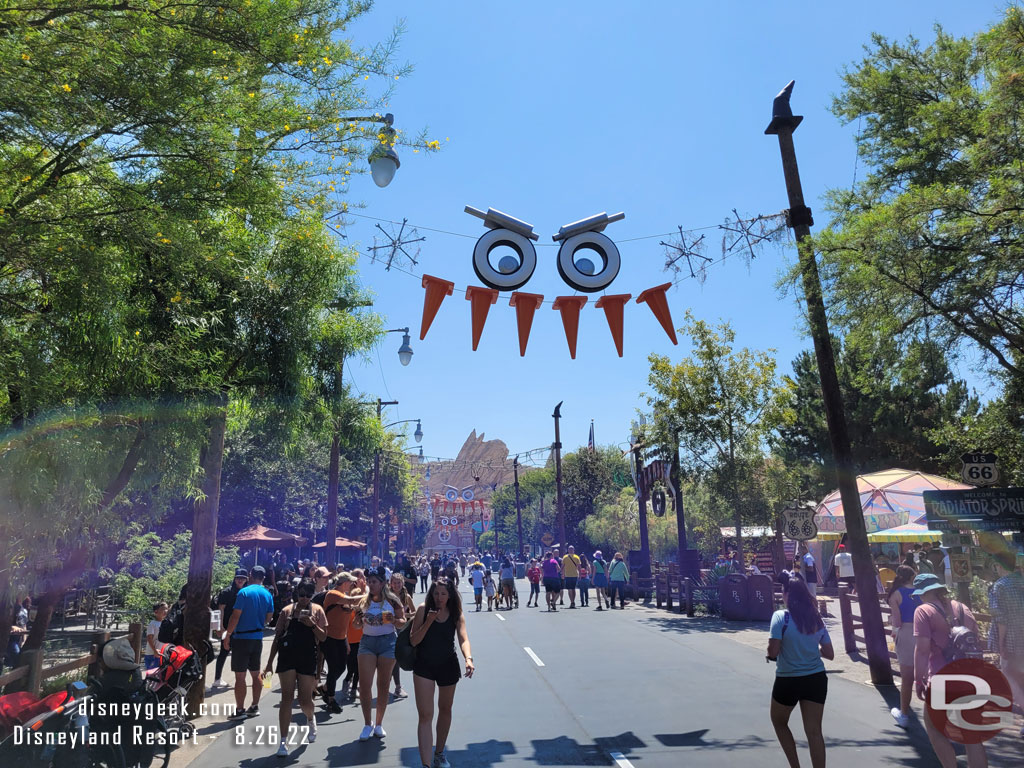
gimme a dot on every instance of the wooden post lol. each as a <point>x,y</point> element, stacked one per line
<point>846,614</point>
<point>99,639</point>
<point>688,585</point>
<point>33,659</point>
<point>135,638</point>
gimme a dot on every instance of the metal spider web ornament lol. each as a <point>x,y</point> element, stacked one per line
<point>393,248</point>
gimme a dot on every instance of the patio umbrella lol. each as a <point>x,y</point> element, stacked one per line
<point>341,543</point>
<point>261,536</point>
<point>890,498</point>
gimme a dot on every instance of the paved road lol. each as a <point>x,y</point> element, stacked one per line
<point>636,687</point>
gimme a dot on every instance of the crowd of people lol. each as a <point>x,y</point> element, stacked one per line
<point>929,629</point>
<point>343,625</point>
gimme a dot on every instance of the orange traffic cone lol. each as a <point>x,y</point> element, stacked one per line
<point>482,298</point>
<point>526,304</point>
<point>658,302</point>
<point>570,307</point>
<point>437,289</point>
<point>612,306</point>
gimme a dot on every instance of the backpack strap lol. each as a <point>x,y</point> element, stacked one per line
<point>785,625</point>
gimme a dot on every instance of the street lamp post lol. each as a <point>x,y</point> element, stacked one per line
<point>383,159</point>
<point>559,509</point>
<point>418,434</point>
<point>645,547</point>
<point>519,511</point>
<point>783,123</point>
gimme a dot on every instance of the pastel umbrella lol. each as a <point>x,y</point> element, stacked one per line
<point>905,533</point>
<point>890,499</point>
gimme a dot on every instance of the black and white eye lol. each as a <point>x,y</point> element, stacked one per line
<point>452,494</point>
<point>516,260</point>
<point>454,521</point>
<point>467,494</point>
<point>444,520</point>
<point>588,260</point>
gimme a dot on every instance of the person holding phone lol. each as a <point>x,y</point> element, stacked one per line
<point>300,627</point>
<point>438,622</point>
<point>379,614</point>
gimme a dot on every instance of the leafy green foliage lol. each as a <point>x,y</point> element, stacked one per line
<point>154,570</point>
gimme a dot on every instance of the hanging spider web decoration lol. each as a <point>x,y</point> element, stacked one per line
<point>392,249</point>
<point>690,250</point>
<point>748,235</point>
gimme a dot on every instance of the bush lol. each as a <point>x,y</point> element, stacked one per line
<point>154,570</point>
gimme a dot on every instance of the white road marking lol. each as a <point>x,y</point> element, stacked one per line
<point>534,656</point>
<point>500,617</point>
<point>620,760</point>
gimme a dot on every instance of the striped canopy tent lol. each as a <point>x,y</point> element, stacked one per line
<point>905,533</point>
<point>890,499</point>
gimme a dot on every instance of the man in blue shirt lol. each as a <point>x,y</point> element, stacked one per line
<point>254,607</point>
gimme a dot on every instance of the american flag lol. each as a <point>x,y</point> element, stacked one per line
<point>590,443</point>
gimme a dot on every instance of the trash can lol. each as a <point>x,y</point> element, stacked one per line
<point>760,597</point>
<point>520,570</point>
<point>732,596</point>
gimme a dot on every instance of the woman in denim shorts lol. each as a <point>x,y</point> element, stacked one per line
<point>380,615</point>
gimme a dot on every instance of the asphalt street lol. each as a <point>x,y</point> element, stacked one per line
<point>637,687</point>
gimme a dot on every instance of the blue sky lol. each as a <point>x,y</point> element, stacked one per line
<point>555,111</point>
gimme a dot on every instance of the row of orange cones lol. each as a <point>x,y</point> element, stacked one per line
<point>527,304</point>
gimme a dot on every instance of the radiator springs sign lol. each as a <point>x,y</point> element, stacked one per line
<point>991,509</point>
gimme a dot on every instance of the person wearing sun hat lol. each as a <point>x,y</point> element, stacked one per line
<point>933,621</point>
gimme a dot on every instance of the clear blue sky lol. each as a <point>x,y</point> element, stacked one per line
<point>559,110</point>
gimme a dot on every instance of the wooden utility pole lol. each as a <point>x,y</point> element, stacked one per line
<point>559,508</point>
<point>519,510</point>
<point>645,545</point>
<point>799,218</point>
<point>330,554</point>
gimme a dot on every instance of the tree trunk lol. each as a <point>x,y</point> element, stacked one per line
<point>204,538</point>
<point>332,500</point>
<point>736,498</point>
<point>76,561</point>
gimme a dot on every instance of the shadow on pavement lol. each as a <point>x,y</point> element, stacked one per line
<point>357,753</point>
<point>684,625</point>
<point>480,753</point>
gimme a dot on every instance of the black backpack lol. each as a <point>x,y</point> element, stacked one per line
<point>963,642</point>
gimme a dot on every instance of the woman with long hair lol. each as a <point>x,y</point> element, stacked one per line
<point>437,624</point>
<point>798,641</point>
<point>355,634</point>
<point>300,627</point>
<point>379,614</point>
<point>399,587</point>
<point>507,576</point>
<point>903,603</point>
<point>618,577</point>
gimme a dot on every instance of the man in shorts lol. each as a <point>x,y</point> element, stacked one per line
<point>476,575</point>
<point>570,573</point>
<point>254,607</point>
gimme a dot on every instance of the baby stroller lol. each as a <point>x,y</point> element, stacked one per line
<point>170,682</point>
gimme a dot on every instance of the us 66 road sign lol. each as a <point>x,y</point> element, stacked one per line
<point>979,469</point>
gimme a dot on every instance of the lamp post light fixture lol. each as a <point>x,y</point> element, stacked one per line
<point>404,351</point>
<point>376,468</point>
<point>383,159</point>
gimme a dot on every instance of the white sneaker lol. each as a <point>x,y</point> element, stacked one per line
<point>441,760</point>
<point>311,736</point>
<point>399,693</point>
<point>901,720</point>
<point>282,751</point>
<point>379,732</point>
<point>218,683</point>
<point>366,733</point>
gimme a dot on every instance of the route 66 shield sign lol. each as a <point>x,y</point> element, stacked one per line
<point>798,523</point>
<point>979,469</point>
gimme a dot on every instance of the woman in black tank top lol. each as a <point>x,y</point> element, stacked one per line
<point>439,621</point>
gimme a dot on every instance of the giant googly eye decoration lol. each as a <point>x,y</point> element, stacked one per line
<point>454,522</point>
<point>588,260</point>
<point>467,494</point>
<point>444,521</point>
<point>508,234</point>
<point>452,494</point>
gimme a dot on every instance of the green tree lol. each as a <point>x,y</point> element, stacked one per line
<point>586,476</point>
<point>614,526</point>
<point>928,245</point>
<point>721,405</point>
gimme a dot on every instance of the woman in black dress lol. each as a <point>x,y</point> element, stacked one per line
<point>434,629</point>
<point>300,627</point>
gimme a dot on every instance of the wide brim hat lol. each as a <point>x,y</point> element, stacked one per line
<point>926,582</point>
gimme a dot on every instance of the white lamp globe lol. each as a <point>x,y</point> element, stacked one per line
<point>405,351</point>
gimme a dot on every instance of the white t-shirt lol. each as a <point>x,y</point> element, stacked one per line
<point>153,628</point>
<point>809,569</point>
<point>477,577</point>
<point>844,562</point>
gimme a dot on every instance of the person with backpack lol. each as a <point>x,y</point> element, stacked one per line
<point>945,631</point>
<point>225,603</point>
<point>600,579</point>
<point>797,642</point>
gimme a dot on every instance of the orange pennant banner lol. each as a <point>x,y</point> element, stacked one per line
<point>612,306</point>
<point>656,299</point>
<point>570,307</point>
<point>437,289</point>
<point>526,304</point>
<point>482,298</point>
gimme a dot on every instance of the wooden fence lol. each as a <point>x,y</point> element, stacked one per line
<point>30,672</point>
<point>853,626</point>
